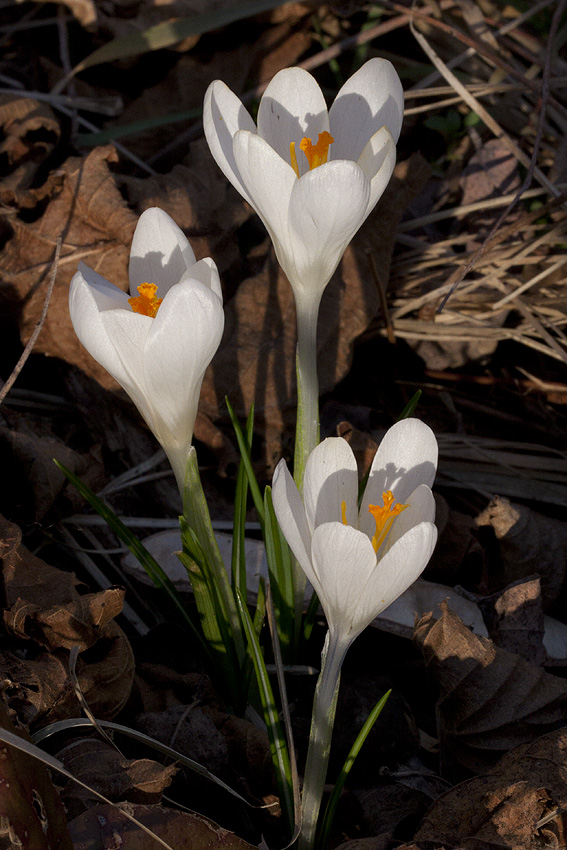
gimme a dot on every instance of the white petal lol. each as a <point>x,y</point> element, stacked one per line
<point>331,477</point>
<point>207,273</point>
<point>92,311</point>
<point>397,570</point>
<point>270,181</point>
<point>160,252</point>
<point>345,561</point>
<point>291,517</point>
<point>106,294</point>
<point>370,99</point>
<point>292,107</point>
<point>406,458</point>
<point>377,161</point>
<point>223,116</point>
<point>180,344</point>
<point>421,508</point>
<point>328,205</point>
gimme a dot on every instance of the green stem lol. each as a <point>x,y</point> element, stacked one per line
<point>322,720</point>
<point>307,428</point>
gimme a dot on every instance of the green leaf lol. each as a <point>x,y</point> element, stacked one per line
<point>171,32</point>
<point>135,127</point>
<point>278,745</point>
<point>410,407</point>
<point>148,562</point>
<point>323,833</point>
<point>239,578</point>
<point>244,450</point>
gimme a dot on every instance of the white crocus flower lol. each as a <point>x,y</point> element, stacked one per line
<point>158,341</point>
<point>312,174</point>
<point>358,561</point>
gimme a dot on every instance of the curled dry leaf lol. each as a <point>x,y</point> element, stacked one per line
<point>501,810</point>
<point>528,543</point>
<point>47,610</point>
<point>515,619</point>
<point>79,623</point>
<point>30,132</point>
<point>31,812</point>
<point>490,700</point>
<point>104,769</point>
<point>105,826</point>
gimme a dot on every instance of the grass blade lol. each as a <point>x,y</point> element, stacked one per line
<point>148,562</point>
<point>278,746</point>
<point>247,461</point>
<point>323,833</point>
<point>170,32</point>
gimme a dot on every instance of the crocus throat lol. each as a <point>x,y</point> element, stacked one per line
<point>384,517</point>
<point>146,302</point>
<point>316,154</point>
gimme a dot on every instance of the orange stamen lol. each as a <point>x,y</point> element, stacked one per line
<point>384,517</point>
<point>343,512</point>
<point>146,302</point>
<point>316,154</point>
<point>293,158</point>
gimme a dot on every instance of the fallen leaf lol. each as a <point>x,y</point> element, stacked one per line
<point>102,768</point>
<point>33,817</point>
<point>515,619</point>
<point>490,700</point>
<point>491,171</point>
<point>30,132</point>
<point>103,827</point>
<point>47,610</point>
<point>528,543</point>
<point>502,809</point>
<point>83,206</point>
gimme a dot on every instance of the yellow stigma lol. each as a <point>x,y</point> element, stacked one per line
<point>384,517</point>
<point>146,302</point>
<point>343,512</point>
<point>316,154</point>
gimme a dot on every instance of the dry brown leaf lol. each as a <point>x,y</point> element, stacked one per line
<point>46,609</point>
<point>198,198</point>
<point>104,769</point>
<point>528,543</point>
<point>30,132</point>
<point>515,620</point>
<point>490,700</point>
<point>103,827</point>
<point>31,812</point>
<point>79,623</point>
<point>501,810</point>
<point>491,171</point>
<point>248,750</point>
<point>86,208</point>
<point>189,730</point>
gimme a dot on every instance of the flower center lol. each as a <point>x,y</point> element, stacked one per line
<point>146,302</point>
<point>316,154</point>
<point>384,517</point>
